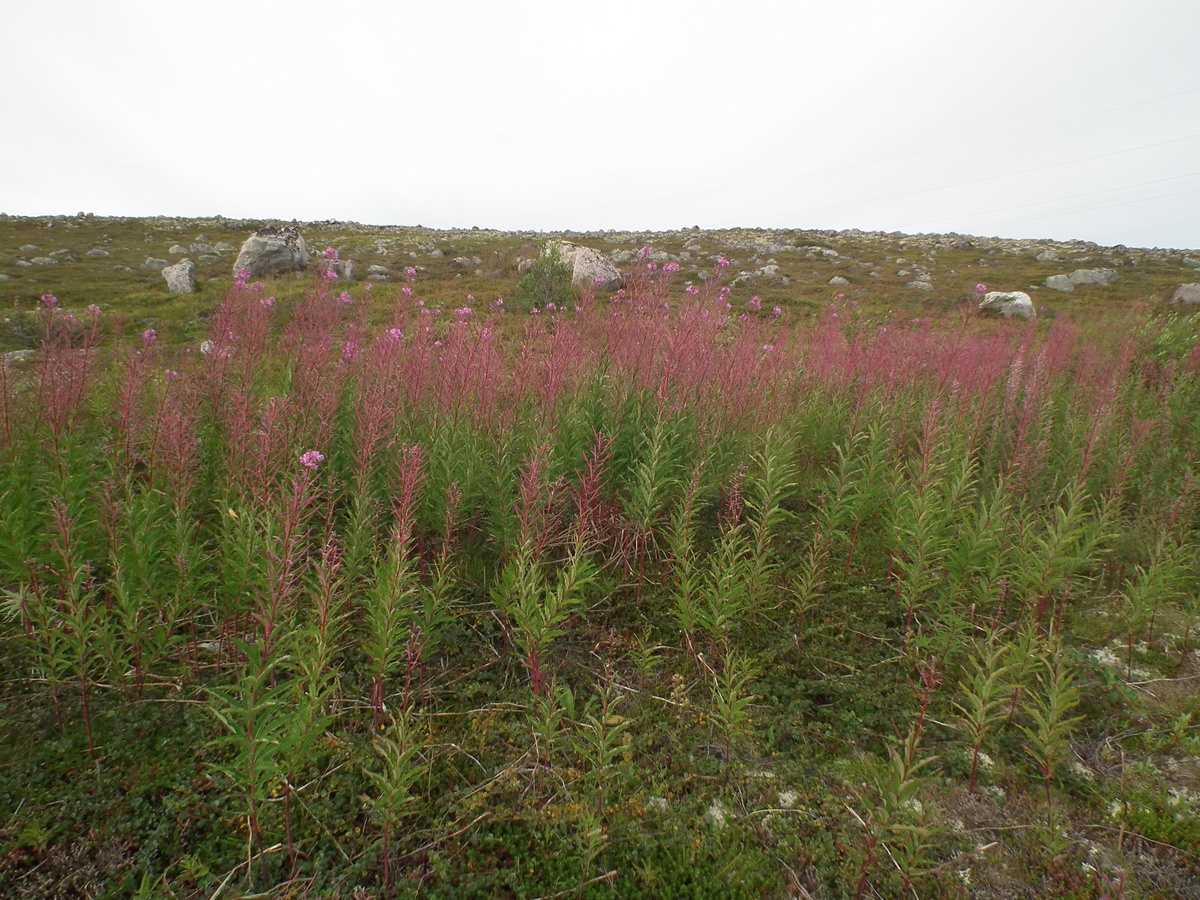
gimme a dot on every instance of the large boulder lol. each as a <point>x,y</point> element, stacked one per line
<point>181,277</point>
<point>271,251</point>
<point>588,267</point>
<point>1081,278</point>
<point>1187,295</point>
<point>1008,304</point>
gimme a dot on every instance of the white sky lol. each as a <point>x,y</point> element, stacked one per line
<point>1020,118</point>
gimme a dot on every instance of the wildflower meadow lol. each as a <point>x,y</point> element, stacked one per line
<point>667,592</point>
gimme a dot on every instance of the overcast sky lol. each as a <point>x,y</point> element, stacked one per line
<point>1046,118</point>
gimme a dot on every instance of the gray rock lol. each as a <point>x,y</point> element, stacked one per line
<point>436,254</point>
<point>156,264</point>
<point>181,277</point>
<point>525,266</point>
<point>1081,277</point>
<point>921,286</point>
<point>97,252</point>
<point>838,280</point>
<point>201,247</point>
<point>924,276</point>
<point>44,261</point>
<point>589,268</point>
<point>377,278</point>
<point>1008,304</point>
<point>59,254</point>
<point>3,277</point>
<point>271,251</point>
<point>1047,256</point>
<point>344,269</point>
<point>176,249</point>
<point>768,271</point>
<point>903,273</point>
<point>377,270</point>
<point>30,248</point>
<point>621,256</point>
<point>1089,277</point>
<point>24,263</point>
<point>1190,261</point>
<point>1187,295</point>
<point>222,247</point>
<point>461,262</point>
<point>874,275</point>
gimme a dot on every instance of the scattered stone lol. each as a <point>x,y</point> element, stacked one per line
<point>1187,261</point>
<point>24,263</point>
<point>1081,277</point>
<point>768,271</point>
<point>344,269</point>
<point>377,270</point>
<point>157,264</point>
<point>176,249</point>
<point>436,254</point>
<point>621,256</point>
<point>29,248</point>
<point>272,250</point>
<point>59,254</point>
<point>525,266</point>
<point>461,262</point>
<point>921,286</point>
<point>1047,256</point>
<point>222,247</point>
<point>181,277</point>
<point>1186,295</point>
<point>377,278</point>
<point>44,261</point>
<point>875,275</point>
<point>838,280</point>
<point>200,247</point>
<point>97,252</point>
<point>588,267</point>
<point>206,347</point>
<point>1008,304</point>
<point>924,276</point>
<point>16,357</point>
<point>3,277</point>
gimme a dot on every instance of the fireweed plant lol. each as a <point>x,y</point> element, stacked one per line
<point>331,583</point>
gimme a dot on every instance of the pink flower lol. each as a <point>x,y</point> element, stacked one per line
<point>69,319</point>
<point>644,253</point>
<point>410,273</point>
<point>311,459</point>
<point>463,313</point>
<point>437,343</point>
<point>981,288</point>
<point>598,280</point>
<point>691,290</point>
<point>330,275</point>
<point>722,263</point>
<point>93,310</point>
<point>345,297</point>
<point>50,300</point>
<point>768,348</point>
<point>149,336</point>
<point>777,312</point>
<point>331,254</point>
<point>535,312</point>
<point>267,302</point>
<point>841,296</point>
<point>406,291</point>
<point>395,334</point>
<point>671,267</point>
<point>242,278</point>
<point>650,267</point>
<point>754,303</point>
<point>552,307</point>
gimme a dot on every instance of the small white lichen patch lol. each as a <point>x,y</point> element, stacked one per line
<point>717,816</point>
<point>789,798</point>
<point>658,804</point>
<point>1082,771</point>
<point>1105,657</point>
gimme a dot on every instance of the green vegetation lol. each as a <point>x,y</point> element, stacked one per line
<point>390,592</point>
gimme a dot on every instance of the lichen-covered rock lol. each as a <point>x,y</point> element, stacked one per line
<point>588,267</point>
<point>1187,295</point>
<point>1008,304</point>
<point>271,251</point>
<point>181,277</point>
<point>1081,278</point>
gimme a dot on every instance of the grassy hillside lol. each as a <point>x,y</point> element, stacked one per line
<point>727,585</point>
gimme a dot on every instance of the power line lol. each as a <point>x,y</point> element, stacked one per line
<point>1059,165</point>
<point>868,162</point>
<point>984,212</point>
